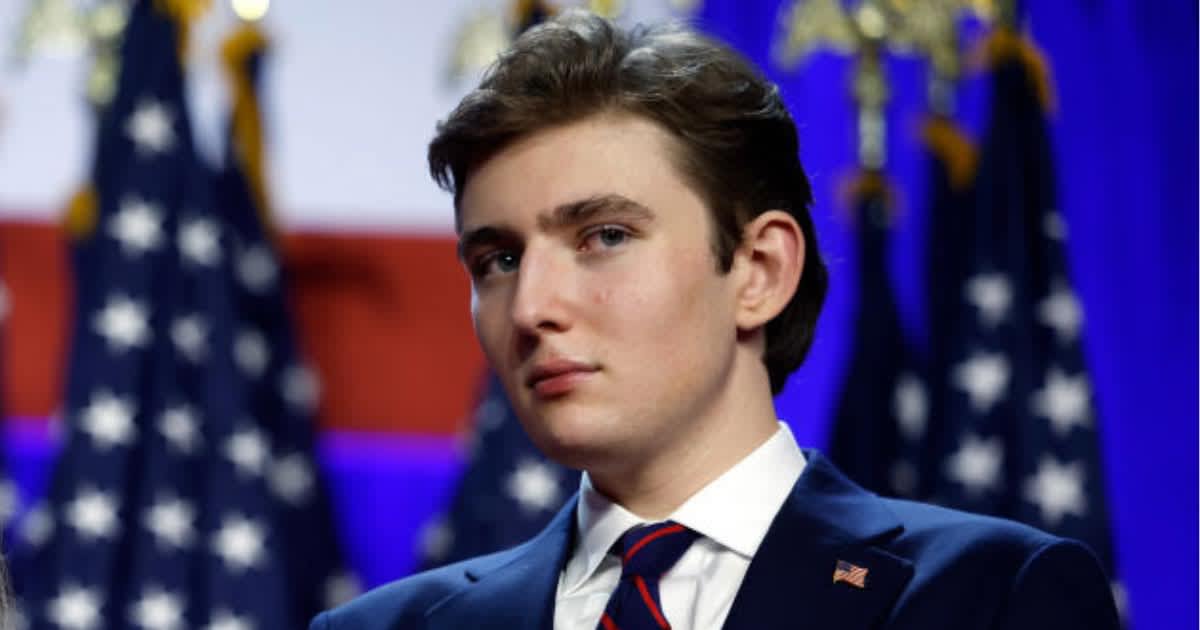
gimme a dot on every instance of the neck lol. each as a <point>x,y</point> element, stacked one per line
<point>711,444</point>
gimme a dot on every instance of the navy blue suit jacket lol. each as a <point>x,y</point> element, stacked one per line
<point>927,567</point>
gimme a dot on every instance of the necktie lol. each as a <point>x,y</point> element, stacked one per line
<point>647,552</point>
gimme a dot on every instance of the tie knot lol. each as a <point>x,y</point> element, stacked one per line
<point>651,550</point>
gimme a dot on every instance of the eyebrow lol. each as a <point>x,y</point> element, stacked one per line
<point>591,208</point>
<point>572,213</point>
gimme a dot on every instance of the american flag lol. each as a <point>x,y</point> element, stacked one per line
<point>887,422</point>
<point>952,168</point>
<point>1020,436</point>
<point>881,416</point>
<point>186,494</point>
<point>850,574</point>
<point>1004,421</point>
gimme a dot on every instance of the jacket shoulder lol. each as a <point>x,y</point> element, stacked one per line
<point>403,603</point>
<point>924,522</point>
<point>1011,574</point>
<point>944,541</point>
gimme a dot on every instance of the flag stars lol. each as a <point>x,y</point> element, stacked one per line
<point>226,620</point>
<point>190,336</point>
<point>178,425</point>
<point>122,322</point>
<point>1057,489</point>
<point>340,588</point>
<point>911,406</point>
<point>1063,401</point>
<point>157,609</point>
<point>170,520</point>
<point>301,388</point>
<point>534,485</point>
<point>75,608</point>
<point>1061,312</point>
<point>137,225</point>
<point>1053,226</point>
<point>93,513</point>
<point>239,542</point>
<point>984,378</point>
<point>251,353</point>
<point>37,526</point>
<point>248,450</point>
<point>257,269</point>
<point>489,415</point>
<point>436,538</point>
<point>150,128</point>
<point>976,464</point>
<point>291,478</point>
<point>1121,599</point>
<point>991,293</point>
<point>108,419</point>
<point>8,501</point>
<point>198,242</point>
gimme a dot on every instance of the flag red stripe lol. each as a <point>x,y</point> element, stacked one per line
<point>856,576</point>
<point>608,623</point>
<point>383,316</point>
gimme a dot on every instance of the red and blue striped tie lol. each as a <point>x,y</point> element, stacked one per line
<point>647,552</point>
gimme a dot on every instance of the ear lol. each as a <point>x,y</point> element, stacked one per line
<point>767,265</point>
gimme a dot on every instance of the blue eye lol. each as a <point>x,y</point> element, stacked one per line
<point>605,237</point>
<point>506,261</point>
<point>612,236</point>
<point>503,261</point>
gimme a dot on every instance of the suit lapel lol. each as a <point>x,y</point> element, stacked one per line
<point>518,593</point>
<point>790,581</point>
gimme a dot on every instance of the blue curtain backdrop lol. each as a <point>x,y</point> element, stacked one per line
<point>1125,135</point>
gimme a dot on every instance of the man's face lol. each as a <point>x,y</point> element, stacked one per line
<point>595,292</point>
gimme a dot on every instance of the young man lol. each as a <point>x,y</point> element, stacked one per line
<point>645,275</point>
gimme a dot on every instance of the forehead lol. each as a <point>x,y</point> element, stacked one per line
<point>609,154</point>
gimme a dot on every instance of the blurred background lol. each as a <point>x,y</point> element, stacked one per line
<point>237,371</point>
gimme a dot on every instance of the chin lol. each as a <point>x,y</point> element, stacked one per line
<point>572,438</point>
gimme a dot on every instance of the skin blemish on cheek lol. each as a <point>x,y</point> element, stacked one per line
<point>603,296</point>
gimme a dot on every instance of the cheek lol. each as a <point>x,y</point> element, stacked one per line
<point>660,301</point>
<point>603,296</point>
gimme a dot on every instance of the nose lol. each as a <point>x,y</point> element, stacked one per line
<point>539,305</point>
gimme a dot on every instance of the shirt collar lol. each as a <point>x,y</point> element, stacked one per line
<point>734,510</point>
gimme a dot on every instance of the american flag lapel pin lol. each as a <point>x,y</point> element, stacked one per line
<point>851,574</point>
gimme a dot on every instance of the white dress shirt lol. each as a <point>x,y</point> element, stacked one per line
<point>731,514</point>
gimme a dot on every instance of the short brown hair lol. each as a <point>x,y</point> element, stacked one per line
<point>737,142</point>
